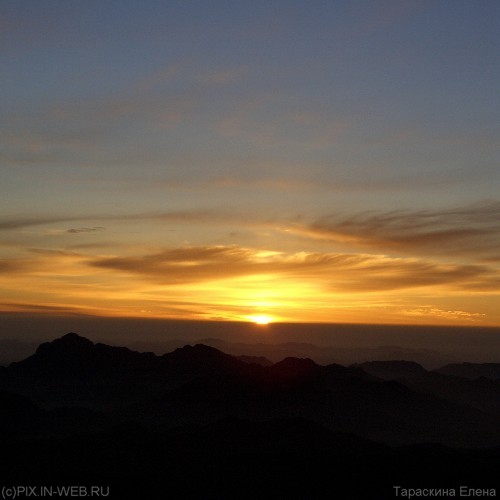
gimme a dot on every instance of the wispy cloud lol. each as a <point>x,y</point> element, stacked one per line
<point>52,309</point>
<point>336,272</point>
<point>14,223</point>
<point>473,230</point>
<point>185,265</point>
<point>22,222</point>
<point>90,131</point>
<point>273,121</point>
<point>12,266</point>
<point>449,314</point>
<point>52,252</point>
<point>234,281</point>
<point>85,229</point>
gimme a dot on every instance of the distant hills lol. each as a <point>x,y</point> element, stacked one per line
<point>392,370</point>
<point>275,350</point>
<point>198,401</point>
<point>472,370</point>
<point>329,354</point>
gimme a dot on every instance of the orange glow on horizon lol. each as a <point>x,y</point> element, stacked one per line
<point>252,285</point>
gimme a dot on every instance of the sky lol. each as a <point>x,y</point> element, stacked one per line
<point>322,161</point>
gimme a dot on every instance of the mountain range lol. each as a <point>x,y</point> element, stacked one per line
<point>229,421</point>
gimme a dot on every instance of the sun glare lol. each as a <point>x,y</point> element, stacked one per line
<point>261,319</point>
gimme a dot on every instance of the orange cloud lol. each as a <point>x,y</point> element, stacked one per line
<point>341,272</point>
<point>234,282</point>
<point>11,266</point>
<point>450,314</point>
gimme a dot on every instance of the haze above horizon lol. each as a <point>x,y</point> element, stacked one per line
<point>251,161</point>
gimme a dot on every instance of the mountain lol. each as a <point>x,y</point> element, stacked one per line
<point>472,370</point>
<point>241,459</point>
<point>199,385</point>
<point>257,360</point>
<point>199,360</point>
<point>73,371</point>
<point>338,398</point>
<point>325,355</point>
<point>272,351</point>
<point>21,418</point>
<point>18,415</point>
<point>73,357</point>
<point>199,423</point>
<point>392,370</point>
<point>480,393</point>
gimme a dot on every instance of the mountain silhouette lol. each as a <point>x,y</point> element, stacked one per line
<point>472,370</point>
<point>200,360</point>
<point>73,356</point>
<point>325,355</point>
<point>257,360</point>
<point>199,423</point>
<point>18,415</point>
<point>480,392</point>
<point>392,370</point>
<point>242,459</point>
<point>73,371</point>
<point>200,384</point>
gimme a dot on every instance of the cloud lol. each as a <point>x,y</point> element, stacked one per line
<point>430,311</point>
<point>168,216</point>
<point>388,251</point>
<point>13,266</point>
<point>51,252</point>
<point>277,121</point>
<point>185,265</point>
<point>22,222</point>
<point>51,309</point>
<point>335,272</point>
<point>85,229</point>
<point>202,281</point>
<point>472,231</point>
<point>90,131</point>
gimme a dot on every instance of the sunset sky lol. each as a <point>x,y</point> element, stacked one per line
<point>331,161</point>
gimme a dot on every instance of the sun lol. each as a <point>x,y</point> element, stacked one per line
<point>261,319</point>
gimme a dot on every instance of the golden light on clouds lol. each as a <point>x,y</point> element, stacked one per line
<point>242,283</point>
<point>276,180</point>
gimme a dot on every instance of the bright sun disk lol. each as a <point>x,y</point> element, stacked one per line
<point>261,319</point>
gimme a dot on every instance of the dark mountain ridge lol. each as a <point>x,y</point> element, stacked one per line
<point>200,423</point>
<point>392,370</point>
<point>475,389</point>
<point>200,384</point>
<point>472,370</point>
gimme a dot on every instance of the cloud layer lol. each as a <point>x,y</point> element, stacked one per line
<point>472,231</point>
<point>220,158</point>
<point>337,272</point>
